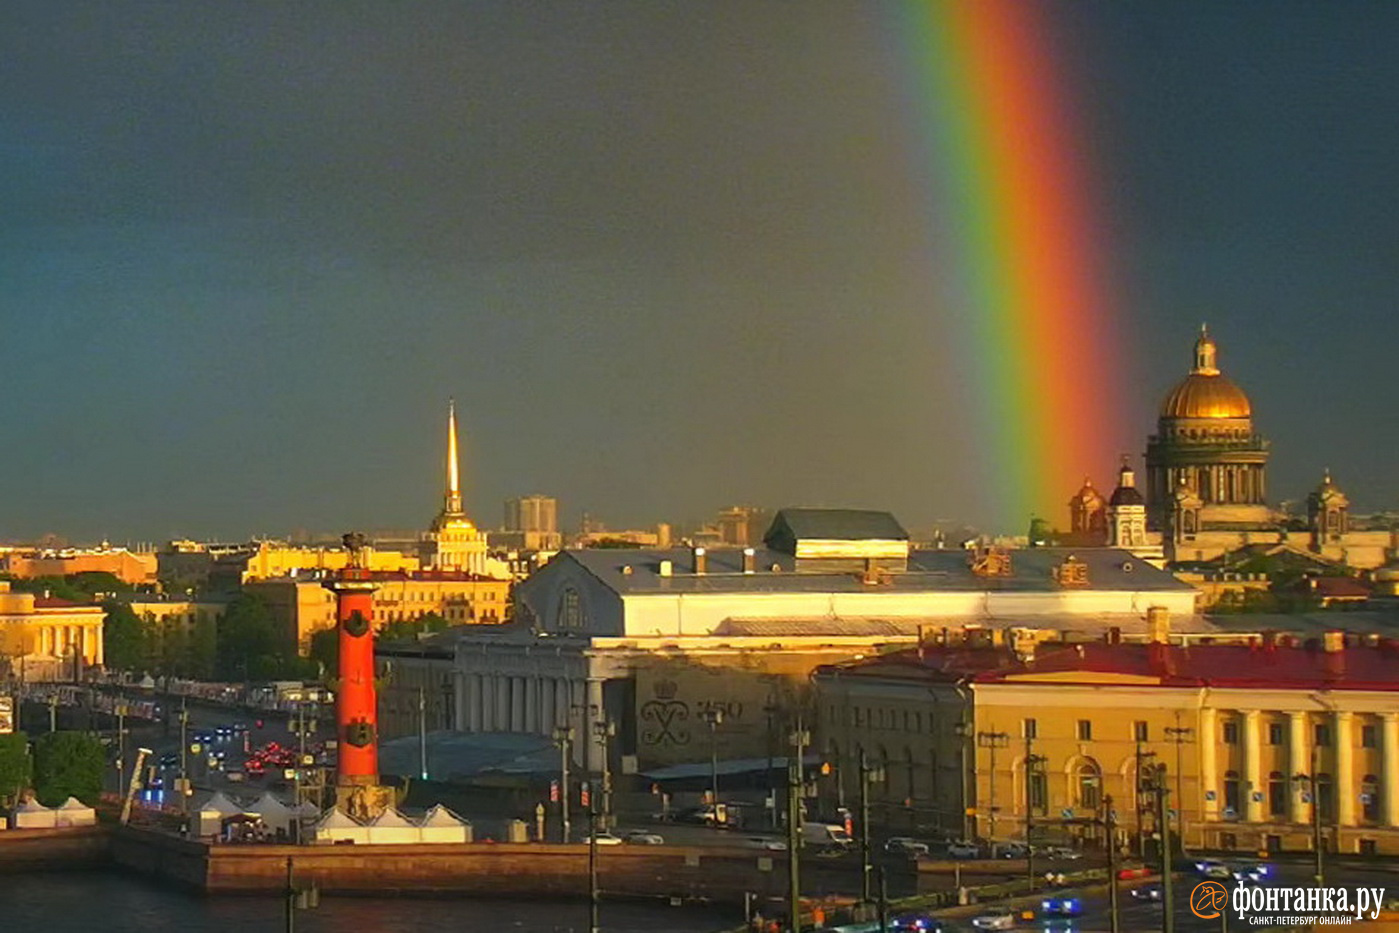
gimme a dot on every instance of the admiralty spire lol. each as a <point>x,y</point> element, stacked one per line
<point>453,542</point>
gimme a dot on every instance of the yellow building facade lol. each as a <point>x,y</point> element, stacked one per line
<point>1251,735</point>
<point>46,639</point>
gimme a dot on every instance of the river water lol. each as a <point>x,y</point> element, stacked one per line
<point>108,902</point>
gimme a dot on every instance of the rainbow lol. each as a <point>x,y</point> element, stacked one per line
<point>1006,182</point>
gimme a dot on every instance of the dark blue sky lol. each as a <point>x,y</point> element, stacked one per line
<point>656,250</point>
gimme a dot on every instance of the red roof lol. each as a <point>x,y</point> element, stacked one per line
<point>1272,664</point>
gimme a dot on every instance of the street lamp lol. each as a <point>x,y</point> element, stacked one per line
<point>992,741</point>
<point>799,739</point>
<point>1307,784</point>
<point>714,716</point>
<point>1143,759</point>
<point>563,735</point>
<point>604,730</point>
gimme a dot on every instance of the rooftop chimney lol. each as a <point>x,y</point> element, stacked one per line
<point>1158,625</point>
<point>1333,641</point>
<point>700,562</point>
<point>666,568</point>
<point>749,560</point>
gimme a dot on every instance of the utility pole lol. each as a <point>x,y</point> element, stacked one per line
<point>714,716</point>
<point>799,738</point>
<point>1168,910</point>
<point>1110,834</point>
<point>184,756</point>
<point>53,711</point>
<point>605,729</point>
<point>992,741</point>
<point>422,733</point>
<point>864,828</point>
<point>883,902</point>
<point>1179,734</point>
<point>1143,785</point>
<point>593,926</point>
<point>564,736</point>
<point>1032,761</point>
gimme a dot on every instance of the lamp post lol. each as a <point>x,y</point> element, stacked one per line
<point>184,756</point>
<point>605,729</point>
<point>1308,784</point>
<point>714,716</point>
<point>868,775</point>
<point>1162,792</point>
<point>992,741</point>
<point>563,735</point>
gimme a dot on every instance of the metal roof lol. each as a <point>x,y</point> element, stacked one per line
<point>836,525</point>
<point>637,571</point>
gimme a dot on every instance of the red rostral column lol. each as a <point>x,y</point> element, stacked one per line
<point>356,703</point>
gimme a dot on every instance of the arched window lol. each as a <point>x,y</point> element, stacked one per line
<point>1090,785</point>
<point>1277,794</point>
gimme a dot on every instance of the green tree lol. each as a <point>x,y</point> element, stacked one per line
<point>123,638</point>
<point>247,645</point>
<point>410,629</point>
<point>15,766</point>
<point>325,651</point>
<point>68,764</point>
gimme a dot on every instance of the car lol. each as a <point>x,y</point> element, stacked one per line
<point>1062,853</point>
<point>640,837</point>
<point>766,843</point>
<point>1061,907</point>
<point>170,761</point>
<point>963,850</point>
<point>999,918</point>
<point>1249,869</point>
<point>1150,892</point>
<point>903,845</point>
<point>1214,869</point>
<point>603,839</point>
<point>916,923</point>
<point>1012,850</point>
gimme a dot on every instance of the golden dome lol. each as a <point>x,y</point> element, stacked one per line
<point>1206,393</point>
<point>1203,396</point>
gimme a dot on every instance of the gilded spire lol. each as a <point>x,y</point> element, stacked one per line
<point>453,502</point>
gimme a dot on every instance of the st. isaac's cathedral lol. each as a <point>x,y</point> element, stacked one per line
<point>1207,485</point>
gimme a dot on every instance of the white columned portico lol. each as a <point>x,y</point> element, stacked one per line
<point>1346,790</point>
<point>1298,762</point>
<point>1253,770</point>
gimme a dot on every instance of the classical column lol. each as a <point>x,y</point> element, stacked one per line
<point>1345,787</point>
<point>1298,762</point>
<point>1389,768</point>
<point>502,703</point>
<point>1209,769</point>
<point>1253,770</point>
<point>532,705</point>
<point>596,713</point>
<point>517,704</point>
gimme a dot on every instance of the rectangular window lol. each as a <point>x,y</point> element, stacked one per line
<point>1368,737</point>
<point>1085,730</point>
<point>1140,731</point>
<point>1231,732</point>
<point>1039,792</point>
<point>1031,729</point>
<point>1275,733</point>
<point>1321,734</point>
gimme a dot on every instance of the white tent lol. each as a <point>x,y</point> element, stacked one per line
<point>213,811</point>
<point>31,814</point>
<point>277,815</point>
<point>442,825</point>
<point>74,812</point>
<point>392,828</point>
<point>337,826</point>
